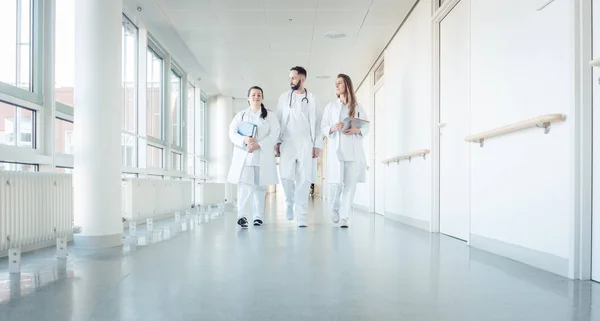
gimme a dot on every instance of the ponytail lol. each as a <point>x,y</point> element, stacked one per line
<point>263,113</point>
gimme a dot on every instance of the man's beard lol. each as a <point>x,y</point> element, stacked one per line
<point>295,87</point>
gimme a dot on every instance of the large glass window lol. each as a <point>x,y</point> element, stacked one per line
<point>18,167</point>
<point>129,76</point>
<point>176,108</point>
<point>154,114</point>
<point>63,137</point>
<point>16,58</point>
<point>129,150</point>
<point>176,161</point>
<point>191,127</point>
<point>17,126</point>
<point>154,156</point>
<point>200,128</point>
<point>65,52</point>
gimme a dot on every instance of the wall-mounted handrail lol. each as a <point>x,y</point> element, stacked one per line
<point>409,156</point>
<point>543,121</point>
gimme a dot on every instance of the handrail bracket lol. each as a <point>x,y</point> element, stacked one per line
<point>546,126</point>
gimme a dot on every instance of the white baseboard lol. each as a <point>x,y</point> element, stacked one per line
<point>414,222</point>
<point>545,261</point>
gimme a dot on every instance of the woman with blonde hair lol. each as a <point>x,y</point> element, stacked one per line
<point>345,124</point>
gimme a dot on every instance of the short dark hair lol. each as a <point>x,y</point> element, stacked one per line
<point>300,70</point>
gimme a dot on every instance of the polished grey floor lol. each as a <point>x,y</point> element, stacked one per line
<point>375,270</point>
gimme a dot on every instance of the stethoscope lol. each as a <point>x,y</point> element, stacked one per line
<point>301,101</point>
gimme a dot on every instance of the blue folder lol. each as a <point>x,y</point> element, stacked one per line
<point>246,129</point>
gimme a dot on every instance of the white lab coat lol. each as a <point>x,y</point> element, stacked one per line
<point>267,135</point>
<point>286,161</point>
<point>332,115</point>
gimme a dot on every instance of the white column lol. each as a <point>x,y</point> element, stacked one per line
<point>49,112</point>
<point>220,148</point>
<point>97,128</point>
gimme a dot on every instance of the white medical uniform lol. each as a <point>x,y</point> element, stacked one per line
<point>300,133</point>
<point>253,172</point>
<point>346,158</point>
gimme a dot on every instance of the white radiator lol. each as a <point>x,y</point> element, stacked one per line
<point>35,208</point>
<point>210,193</point>
<point>144,198</point>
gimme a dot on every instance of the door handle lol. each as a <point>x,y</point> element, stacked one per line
<point>441,125</point>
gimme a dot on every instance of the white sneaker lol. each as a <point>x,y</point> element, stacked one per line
<point>344,223</point>
<point>302,222</point>
<point>289,213</point>
<point>335,216</point>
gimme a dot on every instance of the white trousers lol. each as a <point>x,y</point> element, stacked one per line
<point>343,194</point>
<point>249,190</point>
<point>296,193</point>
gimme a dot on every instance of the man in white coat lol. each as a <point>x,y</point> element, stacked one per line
<point>300,141</point>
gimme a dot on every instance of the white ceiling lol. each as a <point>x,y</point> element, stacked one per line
<point>241,43</point>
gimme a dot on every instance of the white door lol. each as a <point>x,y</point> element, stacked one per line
<point>378,190</point>
<point>596,146</point>
<point>454,123</point>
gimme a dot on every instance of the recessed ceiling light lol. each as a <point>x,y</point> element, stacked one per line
<point>323,77</point>
<point>335,35</point>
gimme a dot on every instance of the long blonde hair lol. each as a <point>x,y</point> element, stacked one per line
<point>350,95</point>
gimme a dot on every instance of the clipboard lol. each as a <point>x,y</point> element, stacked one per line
<point>247,129</point>
<point>358,123</point>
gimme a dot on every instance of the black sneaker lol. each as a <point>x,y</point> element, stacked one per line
<point>243,222</point>
<point>258,222</point>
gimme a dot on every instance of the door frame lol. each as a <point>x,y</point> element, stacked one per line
<point>438,14</point>
<point>580,251</point>
<point>374,90</point>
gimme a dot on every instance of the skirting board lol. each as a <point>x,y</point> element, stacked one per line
<point>414,222</point>
<point>361,208</point>
<point>540,260</point>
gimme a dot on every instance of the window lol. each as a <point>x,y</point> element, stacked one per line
<point>17,126</point>
<point>191,127</point>
<point>200,167</point>
<point>63,136</point>
<point>18,167</point>
<point>176,161</point>
<point>154,156</point>
<point>129,150</point>
<point>65,52</point>
<point>154,114</point>
<point>200,128</point>
<point>16,37</point>
<point>176,108</point>
<point>66,170</point>
<point>129,76</point>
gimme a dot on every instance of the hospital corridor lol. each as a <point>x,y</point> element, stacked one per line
<point>221,160</point>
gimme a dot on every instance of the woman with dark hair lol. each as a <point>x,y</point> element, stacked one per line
<point>344,123</point>
<point>254,133</point>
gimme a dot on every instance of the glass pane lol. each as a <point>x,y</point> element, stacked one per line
<point>24,36</point>
<point>8,39</point>
<point>176,161</point>
<point>65,52</point>
<point>176,108</point>
<point>190,164</point>
<point>25,128</point>
<point>129,150</point>
<point>379,72</point>
<point>18,167</point>
<point>154,156</point>
<point>200,167</point>
<point>129,76</point>
<point>191,120</point>
<point>200,128</point>
<point>63,138</point>
<point>153,95</point>
<point>8,124</point>
<point>66,170</point>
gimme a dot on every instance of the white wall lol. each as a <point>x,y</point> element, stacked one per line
<point>220,148</point>
<point>408,117</point>
<point>523,66</point>
<point>362,197</point>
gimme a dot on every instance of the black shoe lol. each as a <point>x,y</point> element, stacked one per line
<point>243,222</point>
<point>258,222</point>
